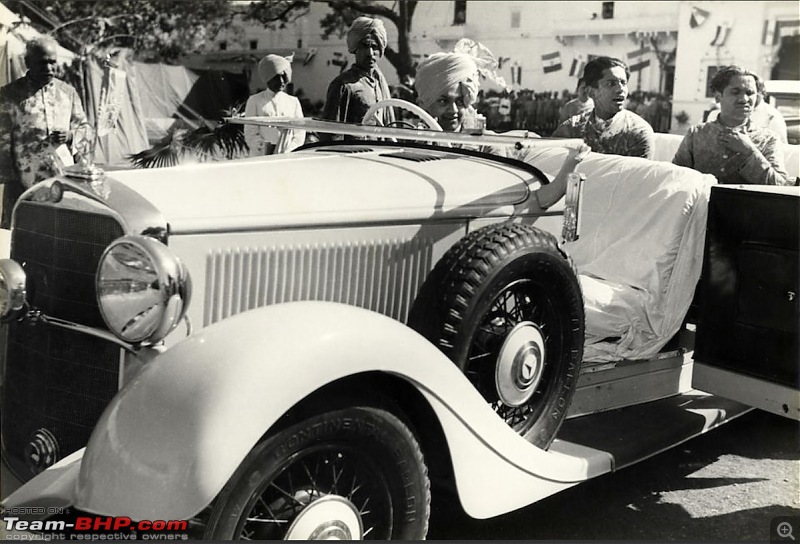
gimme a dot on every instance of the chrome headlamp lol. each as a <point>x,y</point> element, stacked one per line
<point>12,289</point>
<point>142,288</point>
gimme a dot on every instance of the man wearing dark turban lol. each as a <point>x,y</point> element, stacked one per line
<point>353,91</point>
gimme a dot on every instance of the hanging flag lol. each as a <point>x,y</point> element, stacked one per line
<point>551,62</point>
<point>516,74</point>
<point>721,35</point>
<point>698,17</point>
<point>576,68</point>
<point>643,50</point>
<point>639,66</point>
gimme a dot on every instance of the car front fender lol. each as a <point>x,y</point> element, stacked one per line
<point>172,437</point>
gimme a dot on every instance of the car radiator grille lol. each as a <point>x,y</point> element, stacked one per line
<point>380,275</point>
<point>57,382</point>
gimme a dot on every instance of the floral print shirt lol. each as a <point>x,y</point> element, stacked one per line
<point>701,150</point>
<point>28,115</point>
<point>624,134</point>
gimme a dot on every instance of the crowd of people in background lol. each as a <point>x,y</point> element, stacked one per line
<point>539,111</point>
<point>39,114</point>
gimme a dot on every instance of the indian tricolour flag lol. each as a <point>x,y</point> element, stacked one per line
<point>636,62</point>
<point>551,62</point>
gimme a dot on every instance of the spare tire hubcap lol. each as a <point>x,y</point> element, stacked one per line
<point>520,364</point>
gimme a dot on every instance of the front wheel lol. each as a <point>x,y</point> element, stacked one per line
<point>505,305</point>
<point>348,474</point>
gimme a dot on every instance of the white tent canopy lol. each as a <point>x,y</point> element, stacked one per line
<point>13,37</point>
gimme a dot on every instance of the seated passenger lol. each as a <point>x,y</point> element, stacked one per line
<point>447,86</point>
<point>732,148</point>
<point>609,128</point>
<point>764,115</point>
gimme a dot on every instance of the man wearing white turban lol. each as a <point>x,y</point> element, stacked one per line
<point>353,91</point>
<point>447,85</point>
<point>276,71</point>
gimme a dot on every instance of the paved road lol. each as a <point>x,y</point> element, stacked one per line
<point>726,485</point>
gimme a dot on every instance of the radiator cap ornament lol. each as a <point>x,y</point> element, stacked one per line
<point>93,175</point>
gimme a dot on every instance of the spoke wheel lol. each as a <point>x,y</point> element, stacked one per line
<point>512,374</point>
<point>505,305</point>
<point>350,474</point>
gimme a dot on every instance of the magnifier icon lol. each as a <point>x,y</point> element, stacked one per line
<point>785,530</point>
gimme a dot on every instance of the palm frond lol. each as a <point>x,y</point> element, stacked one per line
<point>167,152</point>
<point>210,141</point>
<point>231,139</point>
<point>202,142</point>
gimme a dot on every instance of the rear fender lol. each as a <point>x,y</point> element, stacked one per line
<point>173,436</point>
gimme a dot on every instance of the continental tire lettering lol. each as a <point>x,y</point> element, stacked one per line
<point>311,433</point>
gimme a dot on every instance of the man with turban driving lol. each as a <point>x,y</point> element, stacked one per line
<point>273,101</point>
<point>353,91</point>
<point>447,86</point>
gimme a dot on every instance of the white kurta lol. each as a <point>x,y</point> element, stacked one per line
<point>270,104</point>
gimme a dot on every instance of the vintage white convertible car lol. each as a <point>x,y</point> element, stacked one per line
<point>371,321</point>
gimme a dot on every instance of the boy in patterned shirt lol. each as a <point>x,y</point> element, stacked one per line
<point>609,128</point>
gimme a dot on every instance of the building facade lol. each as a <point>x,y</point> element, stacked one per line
<point>671,46</point>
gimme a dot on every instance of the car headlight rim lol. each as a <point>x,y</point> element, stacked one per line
<point>143,289</point>
<point>13,291</point>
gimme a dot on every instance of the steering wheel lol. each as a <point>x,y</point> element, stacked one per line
<point>406,105</point>
<point>401,123</point>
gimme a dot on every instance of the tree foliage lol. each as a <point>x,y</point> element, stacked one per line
<point>156,30</point>
<point>276,12</point>
<point>341,15</point>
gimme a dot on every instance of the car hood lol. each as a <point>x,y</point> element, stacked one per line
<point>330,185</point>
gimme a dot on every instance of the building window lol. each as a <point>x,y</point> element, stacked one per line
<point>515,18</point>
<point>608,10</point>
<point>223,46</point>
<point>460,12</point>
<point>253,44</point>
<point>299,43</point>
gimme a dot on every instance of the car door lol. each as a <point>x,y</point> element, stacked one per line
<point>747,330</point>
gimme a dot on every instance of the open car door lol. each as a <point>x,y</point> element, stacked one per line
<point>747,329</point>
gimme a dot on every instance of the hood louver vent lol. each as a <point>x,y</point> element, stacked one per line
<point>349,150</point>
<point>418,156</point>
